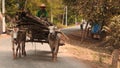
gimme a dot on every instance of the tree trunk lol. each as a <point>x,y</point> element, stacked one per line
<point>115,57</point>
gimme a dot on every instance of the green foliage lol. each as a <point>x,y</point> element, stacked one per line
<point>99,11</point>
<point>11,7</point>
<point>114,38</point>
<point>96,10</point>
<point>59,25</point>
<point>56,10</point>
<point>54,7</point>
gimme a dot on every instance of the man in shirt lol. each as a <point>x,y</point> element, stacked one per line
<point>42,13</point>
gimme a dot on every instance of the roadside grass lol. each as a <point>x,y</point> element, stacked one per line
<point>59,25</point>
<point>89,52</point>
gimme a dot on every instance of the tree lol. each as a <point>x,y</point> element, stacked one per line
<point>11,7</point>
<point>54,6</point>
<point>56,10</point>
<point>96,10</point>
<point>114,37</point>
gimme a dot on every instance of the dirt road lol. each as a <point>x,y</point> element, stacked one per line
<point>38,56</point>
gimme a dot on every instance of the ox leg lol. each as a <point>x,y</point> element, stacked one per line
<point>53,54</point>
<point>19,50</point>
<point>52,50</point>
<point>13,48</point>
<point>55,51</point>
<point>23,49</point>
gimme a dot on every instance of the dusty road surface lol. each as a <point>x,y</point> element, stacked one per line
<point>71,29</point>
<point>38,56</point>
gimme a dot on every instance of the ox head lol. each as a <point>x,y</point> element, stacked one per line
<point>52,29</point>
<point>15,32</point>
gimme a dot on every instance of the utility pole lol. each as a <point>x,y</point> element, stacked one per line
<point>25,4</point>
<point>0,17</point>
<point>63,20</point>
<point>51,15</point>
<point>51,8</point>
<point>76,21</point>
<point>66,16</point>
<point>3,19</point>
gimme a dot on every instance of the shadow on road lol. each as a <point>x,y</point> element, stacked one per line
<point>38,55</point>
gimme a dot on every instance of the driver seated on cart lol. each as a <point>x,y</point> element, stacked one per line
<point>42,13</point>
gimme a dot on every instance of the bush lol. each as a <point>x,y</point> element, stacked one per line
<point>114,37</point>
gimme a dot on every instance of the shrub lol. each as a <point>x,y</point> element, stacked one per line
<point>114,37</point>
